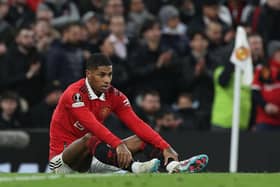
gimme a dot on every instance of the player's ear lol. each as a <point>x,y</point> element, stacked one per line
<point>88,73</point>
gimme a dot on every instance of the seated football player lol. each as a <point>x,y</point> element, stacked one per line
<point>77,133</point>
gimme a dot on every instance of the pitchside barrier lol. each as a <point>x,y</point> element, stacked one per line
<point>259,152</point>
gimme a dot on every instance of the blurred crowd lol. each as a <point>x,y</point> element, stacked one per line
<point>170,57</point>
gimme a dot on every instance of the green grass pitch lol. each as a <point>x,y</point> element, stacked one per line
<point>143,180</point>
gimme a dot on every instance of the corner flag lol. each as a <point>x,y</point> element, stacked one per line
<point>241,58</point>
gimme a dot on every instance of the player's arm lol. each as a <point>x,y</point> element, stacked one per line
<point>146,133</point>
<point>82,114</point>
<point>141,129</point>
<point>125,113</point>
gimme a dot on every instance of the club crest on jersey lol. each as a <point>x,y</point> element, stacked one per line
<point>104,112</point>
<point>77,99</point>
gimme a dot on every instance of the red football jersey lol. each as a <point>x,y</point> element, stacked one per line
<point>270,93</point>
<point>80,111</point>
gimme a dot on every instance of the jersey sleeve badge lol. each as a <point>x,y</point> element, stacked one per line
<point>77,101</point>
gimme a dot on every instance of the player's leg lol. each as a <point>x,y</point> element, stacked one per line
<point>193,164</point>
<point>134,143</point>
<point>77,155</point>
<point>107,155</point>
<point>100,167</point>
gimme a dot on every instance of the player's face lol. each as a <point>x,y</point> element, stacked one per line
<point>100,78</point>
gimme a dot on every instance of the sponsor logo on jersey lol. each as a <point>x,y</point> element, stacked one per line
<point>77,105</point>
<point>79,126</point>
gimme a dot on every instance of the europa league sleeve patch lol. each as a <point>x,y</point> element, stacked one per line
<point>77,101</point>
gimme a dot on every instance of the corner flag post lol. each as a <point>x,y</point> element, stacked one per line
<point>235,122</point>
<point>242,60</point>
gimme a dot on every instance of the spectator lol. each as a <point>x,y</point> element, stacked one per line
<point>266,91</point>
<point>33,4</point>
<point>85,6</point>
<point>173,30</point>
<point>65,61</point>
<point>223,100</point>
<point>137,16</point>
<point>236,8</point>
<point>154,6</point>
<point>40,115</point>
<point>44,15</point>
<point>92,25</point>
<point>151,66</point>
<point>44,35</point>
<point>6,36</point>
<point>22,70</point>
<point>257,49</point>
<point>9,108</point>
<point>20,14</point>
<point>112,8</point>
<point>250,14</point>
<point>169,16</point>
<point>210,12</point>
<point>148,106</point>
<point>186,109</point>
<point>214,32</point>
<point>6,30</point>
<point>167,121</point>
<point>268,23</point>
<point>118,47</point>
<point>258,57</point>
<point>115,43</point>
<point>196,75</point>
<point>60,12</point>
<point>187,11</point>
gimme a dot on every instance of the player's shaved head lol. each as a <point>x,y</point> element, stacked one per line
<point>96,60</point>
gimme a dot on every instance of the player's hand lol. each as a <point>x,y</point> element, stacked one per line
<point>169,153</point>
<point>124,156</point>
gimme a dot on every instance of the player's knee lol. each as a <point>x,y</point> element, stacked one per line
<point>90,142</point>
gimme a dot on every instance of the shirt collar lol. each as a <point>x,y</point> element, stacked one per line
<point>92,95</point>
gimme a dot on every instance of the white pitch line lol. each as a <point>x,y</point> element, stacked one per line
<point>54,177</point>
